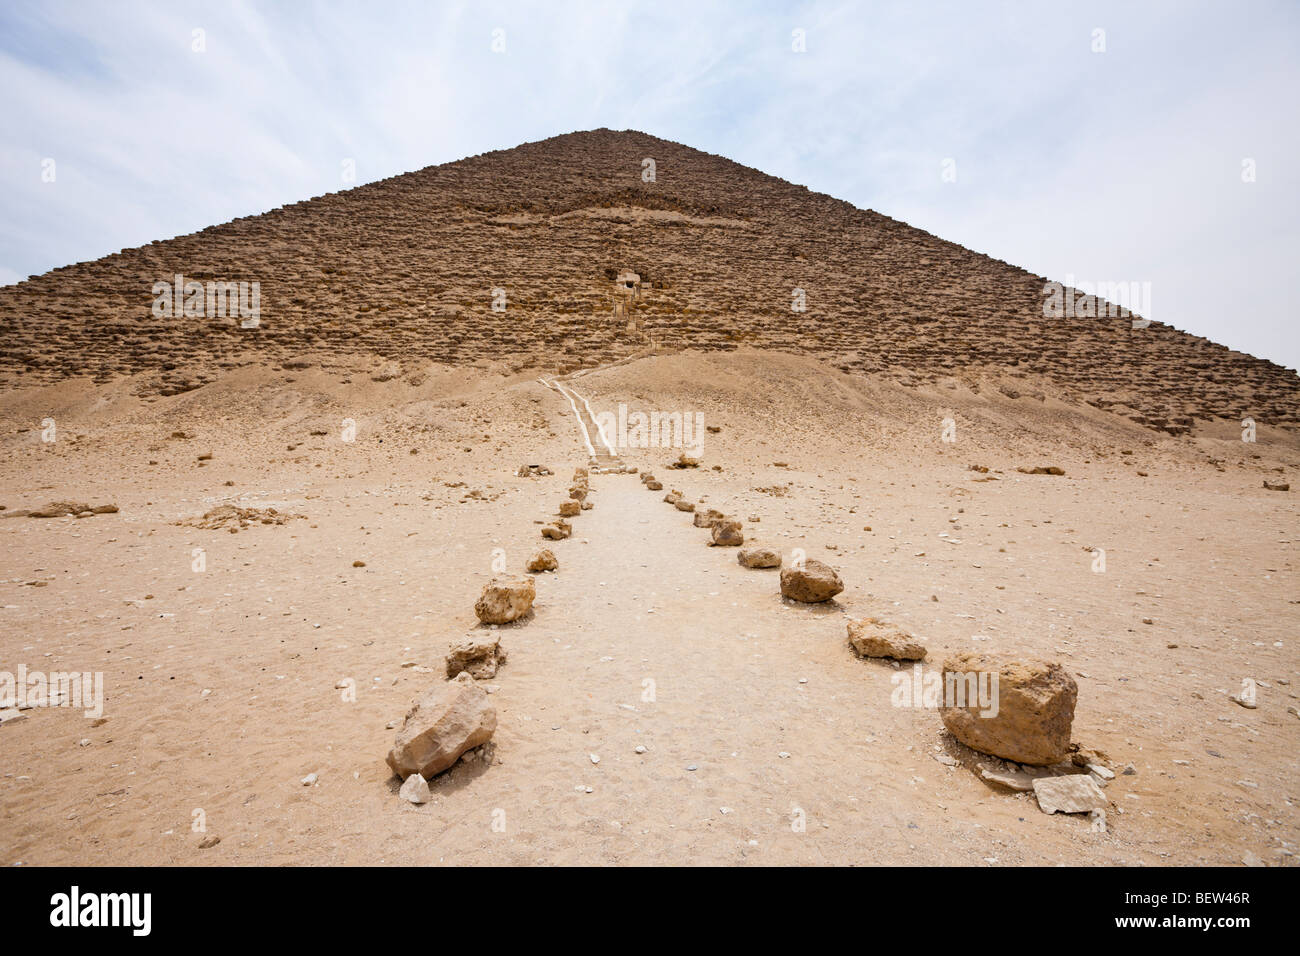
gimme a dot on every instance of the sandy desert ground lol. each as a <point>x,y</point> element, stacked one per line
<point>221,685</point>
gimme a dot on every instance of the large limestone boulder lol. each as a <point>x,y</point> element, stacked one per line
<point>726,534</point>
<point>1031,714</point>
<point>811,582</point>
<point>578,492</point>
<point>569,508</point>
<point>759,557</point>
<point>479,657</point>
<point>505,599</point>
<point>655,485</point>
<point>442,724</point>
<point>543,560</point>
<point>874,638</point>
<point>681,504</point>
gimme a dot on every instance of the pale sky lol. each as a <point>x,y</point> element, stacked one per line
<point>1119,165</point>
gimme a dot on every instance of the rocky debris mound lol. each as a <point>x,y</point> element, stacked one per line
<point>235,518</point>
<point>478,657</point>
<point>557,530</point>
<point>726,534</point>
<point>871,637</point>
<point>683,461</point>
<point>533,471</point>
<point>543,560</point>
<point>759,557</point>
<point>1042,470</point>
<point>444,722</point>
<point>505,600</point>
<point>579,492</point>
<point>1025,716</point>
<point>811,582</point>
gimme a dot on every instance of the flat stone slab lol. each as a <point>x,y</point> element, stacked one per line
<point>1018,777</point>
<point>1073,793</point>
<point>1011,779</point>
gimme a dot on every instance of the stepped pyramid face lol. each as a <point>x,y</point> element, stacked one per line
<point>515,256</point>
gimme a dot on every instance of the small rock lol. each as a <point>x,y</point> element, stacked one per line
<point>479,657</point>
<point>543,560</point>
<point>726,534</point>
<point>505,600</point>
<point>871,637</point>
<point>810,583</point>
<point>415,789</point>
<point>705,519</point>
<point>309,780</point>
<point>759,557</point>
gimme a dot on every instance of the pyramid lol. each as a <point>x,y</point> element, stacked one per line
<point>525,257</point>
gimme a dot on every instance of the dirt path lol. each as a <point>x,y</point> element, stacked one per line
<point>601,451</point>
<point>757,707</point>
